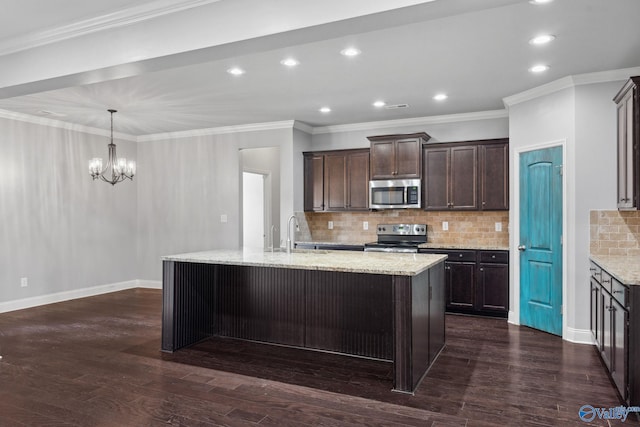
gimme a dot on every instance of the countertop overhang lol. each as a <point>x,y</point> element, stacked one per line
<point>625,269</point>
<point>394,264</point>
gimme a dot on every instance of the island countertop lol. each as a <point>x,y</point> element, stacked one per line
<point>394,264</point>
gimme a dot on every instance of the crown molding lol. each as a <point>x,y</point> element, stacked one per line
<point>417,121</point>
<point>253,127</point>
<point>303,127</point>
<point>570,82</point>
<point>116,19</point>
<point>11,115</point>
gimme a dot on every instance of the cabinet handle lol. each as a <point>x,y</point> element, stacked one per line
<point>624,200</point>
<point>606,281</point>
<point>618,292</point>
<point>610,308</point>
<point>592,269</point>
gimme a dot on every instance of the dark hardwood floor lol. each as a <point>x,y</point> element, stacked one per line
<point>96,362</point>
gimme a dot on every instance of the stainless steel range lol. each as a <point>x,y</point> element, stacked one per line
<point>398,238</point>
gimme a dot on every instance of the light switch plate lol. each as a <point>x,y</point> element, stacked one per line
<point>365,225</point>
<point>498,226</point>
<point>223,218</point>
<point>330,225</point>
<point>445,225</point>
<point>24,282</point>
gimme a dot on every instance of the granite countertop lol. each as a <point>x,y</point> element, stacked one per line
<point>625,269</point>
<point>463,246</point>
<point>422,246</point>
<point>320,243</point>
<point>394,264</point>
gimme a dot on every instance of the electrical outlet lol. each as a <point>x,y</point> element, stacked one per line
<point>365,225</point>
<point>24,282</point>
<point>498,226</point>
<point>445,225</point>
<point>330,225</point>
<point>223,218</point>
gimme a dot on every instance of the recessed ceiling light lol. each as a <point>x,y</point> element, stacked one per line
<point>290,62</point>
<point>440,97</point>
<point>325,110</point>
<point>236,71</point>
<point>379,104</point>
<point>542,39</point>
<point>540,1</point>
<point>539,68</point>
<point>350,51</point>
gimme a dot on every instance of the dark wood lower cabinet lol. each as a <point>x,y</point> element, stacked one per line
<point>460,279</point>
<point>615,320</point>
<point>476,281</point>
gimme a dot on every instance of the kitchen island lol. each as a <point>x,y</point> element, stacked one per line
<point>377,305</point>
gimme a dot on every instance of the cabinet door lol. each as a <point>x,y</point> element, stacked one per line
<point>313,183</point>
<point>607,338</point>
<point>436,178</point>
<point>619,334</point>
<point>596,314</point>
<point>358,181</point>
<point>407,158</point>
<point>494,177</point>
<point>492,289</point>
<point>463,182</point>
<point>460,279</point>
<point>335,174</point>
<point>383,160</point>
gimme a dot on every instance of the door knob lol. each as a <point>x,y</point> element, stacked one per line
<point>522,248</point>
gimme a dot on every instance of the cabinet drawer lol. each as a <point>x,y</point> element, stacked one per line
<point>461,256</point>
<point>596,271</point>
<point>620,293</point>
<point>606,280</point>
<point>501,257</point>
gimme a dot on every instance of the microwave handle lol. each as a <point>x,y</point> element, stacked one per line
<point>406,195</point>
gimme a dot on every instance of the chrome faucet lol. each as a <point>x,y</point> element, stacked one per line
<point>292,217</point>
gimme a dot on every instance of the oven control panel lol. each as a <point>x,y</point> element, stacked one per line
<point>402,229</point>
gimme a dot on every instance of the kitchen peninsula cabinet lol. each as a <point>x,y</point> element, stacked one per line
<point>397,156</point>
<point>336,180</point>
<point>471,175</point>
<point>628,108</point>
<point>615,320</point>
<point>381,306</point>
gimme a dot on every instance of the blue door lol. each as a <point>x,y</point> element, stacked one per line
<point>541,239</point>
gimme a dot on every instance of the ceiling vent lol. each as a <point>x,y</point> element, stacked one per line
<point>396,106</point>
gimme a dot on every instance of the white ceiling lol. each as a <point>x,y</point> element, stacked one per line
<point>476,51</point>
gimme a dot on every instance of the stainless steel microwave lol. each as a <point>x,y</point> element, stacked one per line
<point>395,194</point>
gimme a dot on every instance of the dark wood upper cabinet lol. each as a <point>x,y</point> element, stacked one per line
<point>313,182</point>
<point>471,175</point>
<point>397,156</point>
<point>494,176</point>
<point>628,107</point>
<point>450,177</point>
<point>336,180</point>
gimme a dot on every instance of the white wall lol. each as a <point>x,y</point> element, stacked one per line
<point>59,228</point>
<point>582,120</point>
<point>188,183</point>
<point>440,132</point>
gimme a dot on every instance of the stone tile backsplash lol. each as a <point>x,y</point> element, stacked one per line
<point>465,228</point>
<point>615,233</point>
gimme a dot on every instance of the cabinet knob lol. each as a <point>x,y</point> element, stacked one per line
<point>482,269</point>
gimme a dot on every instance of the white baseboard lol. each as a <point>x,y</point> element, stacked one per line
<point>23,303</point>
<point>513,319</point>
<point>149,284</point>
<point>578,336</point>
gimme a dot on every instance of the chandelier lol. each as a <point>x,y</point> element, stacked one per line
<point>117,169</point>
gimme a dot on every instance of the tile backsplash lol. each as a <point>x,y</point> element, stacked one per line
<point>465,228</point>
<point>615,233</point>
